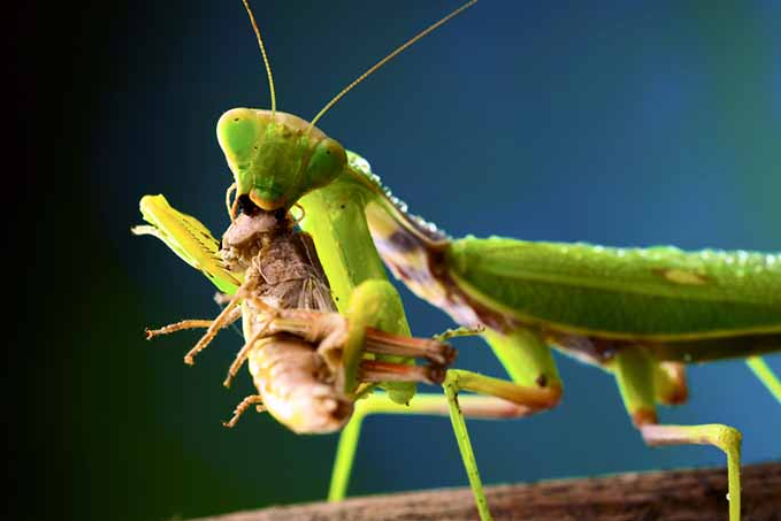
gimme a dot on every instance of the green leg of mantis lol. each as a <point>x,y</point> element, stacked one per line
<point>374,303</point>
<point>451,386</point>
<point>535,387</point>
<point>765,374</point>
<point>482,407</point>
<point>635,373</point>
<point>345,455</point>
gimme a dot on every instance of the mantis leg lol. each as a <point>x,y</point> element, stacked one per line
<point>535,387</point>
<point>765,375</point>
<point>670,383</point>
<point>373,304</point>
<point>635,372</point>
<point>506,400</point>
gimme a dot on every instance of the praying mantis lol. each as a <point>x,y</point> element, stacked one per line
<point>348,213</point>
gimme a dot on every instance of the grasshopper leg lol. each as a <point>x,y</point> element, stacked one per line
<point>343,341</point>
<point>189,324</point>
<point>177,326</point>
<point>222,299</point>
<point>434,350</point>
<point>241,408</point>
<point>637,375</point>
<point>242,356</point>
<point>379,371</point>
<point>224,319</point>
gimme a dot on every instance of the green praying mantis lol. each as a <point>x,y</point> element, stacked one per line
<point>639,314</point>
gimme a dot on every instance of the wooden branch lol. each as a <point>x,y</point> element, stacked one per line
<point>673,495</point>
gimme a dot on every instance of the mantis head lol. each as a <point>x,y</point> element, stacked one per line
<point>277,157</point>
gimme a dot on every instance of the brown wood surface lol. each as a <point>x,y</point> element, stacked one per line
<point>673,495</point>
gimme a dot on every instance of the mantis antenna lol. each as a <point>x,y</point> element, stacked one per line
<point>265,58</point>
<point>385,60</point>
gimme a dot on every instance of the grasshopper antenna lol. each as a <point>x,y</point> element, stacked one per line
<point>385,60</point>
<point>265,57</point>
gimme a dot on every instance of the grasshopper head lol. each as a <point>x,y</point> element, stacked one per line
<point>275,157</point>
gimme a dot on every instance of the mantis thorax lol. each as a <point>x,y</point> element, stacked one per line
<point>277,157</point>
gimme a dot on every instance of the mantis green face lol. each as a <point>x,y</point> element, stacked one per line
<point>276,157</point>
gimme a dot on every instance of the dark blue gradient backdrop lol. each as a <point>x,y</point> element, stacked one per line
<point>618,123</point>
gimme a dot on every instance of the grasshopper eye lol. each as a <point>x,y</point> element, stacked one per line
<point>326,163</point>
<point>238,131</point>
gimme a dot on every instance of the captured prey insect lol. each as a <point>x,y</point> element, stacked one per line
<point>296,343</point>
<point>640,314</point>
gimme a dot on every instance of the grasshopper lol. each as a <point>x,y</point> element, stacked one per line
<point>296,343</point>
<point>639,314</point>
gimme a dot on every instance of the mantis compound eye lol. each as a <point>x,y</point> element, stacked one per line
<point>326,163</point>
<point>238,132</point>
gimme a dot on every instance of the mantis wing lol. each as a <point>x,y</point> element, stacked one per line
<point>188,238</point>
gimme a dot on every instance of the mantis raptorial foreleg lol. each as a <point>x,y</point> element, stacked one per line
<point>535,387</point>
<point>637,373</point>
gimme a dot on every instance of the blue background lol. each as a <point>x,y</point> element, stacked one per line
<point>619,123</point>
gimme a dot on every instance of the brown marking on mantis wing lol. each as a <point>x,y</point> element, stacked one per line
<point>420,261</point>
<point>683,277</point>
<point>417,257</point>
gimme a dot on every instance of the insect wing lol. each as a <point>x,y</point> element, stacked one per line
<point>188,238</point>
